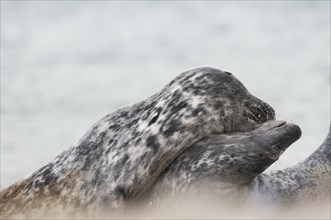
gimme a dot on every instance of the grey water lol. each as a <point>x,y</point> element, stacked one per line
<point>64,65</point>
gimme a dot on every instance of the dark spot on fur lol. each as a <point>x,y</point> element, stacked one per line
<point>153,143</point>
<point>120,190</point>
<point>218,105</point>
<point>155,117</point>
<point>195,112</point>
<point>186,78</point>
<point>203,165</point>
<point>131,123</point>
<point>225,160</point>
<point>180,106</point>
<point>46,176</point>
<point>110,141</point>
<point>135,133</point>
<point>196,92</point>
<point>124,159</point>
<point>120,165</point>
<point>123,114</point>
<point>113,127</point>
<point>138,140</point>
<point>173,126</point>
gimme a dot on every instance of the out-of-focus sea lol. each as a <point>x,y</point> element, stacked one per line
<point>64,65</point>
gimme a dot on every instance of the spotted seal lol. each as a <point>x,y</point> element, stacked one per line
<point>221,163</point>
<point>239,175</point>
<point>125,152</point>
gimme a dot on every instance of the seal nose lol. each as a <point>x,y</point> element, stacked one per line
<point>287,134</point>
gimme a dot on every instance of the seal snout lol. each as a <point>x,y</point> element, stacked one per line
<point>295,131</point>
<point>282,128</point>
<point>287,134</point>
<point>280,136</point>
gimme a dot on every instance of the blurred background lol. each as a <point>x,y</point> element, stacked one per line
<point>64,65</point>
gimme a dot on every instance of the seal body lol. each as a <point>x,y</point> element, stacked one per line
<point>221,163</point>
<point>124,153</point>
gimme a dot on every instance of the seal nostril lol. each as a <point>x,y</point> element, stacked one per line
<point>228,73</point>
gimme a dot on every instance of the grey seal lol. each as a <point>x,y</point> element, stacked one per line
<point>221,163</point>
<point>123,154</point>
<point>306,182</point>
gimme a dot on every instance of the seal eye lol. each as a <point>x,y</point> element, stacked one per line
<point>228,73</point>
<point>276,148</point>
<point>255,113</point>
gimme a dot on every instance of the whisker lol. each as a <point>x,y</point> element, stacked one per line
<point>282,117</point>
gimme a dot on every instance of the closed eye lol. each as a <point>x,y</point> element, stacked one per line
<point>277,148</point>
<point>256,114</point>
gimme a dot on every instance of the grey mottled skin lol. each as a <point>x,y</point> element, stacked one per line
<point>124,153</point>
<point>307,181</point>
<point>223,162</point>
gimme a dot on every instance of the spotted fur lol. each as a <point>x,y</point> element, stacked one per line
<point>221,163</point>
<point>125,152</point>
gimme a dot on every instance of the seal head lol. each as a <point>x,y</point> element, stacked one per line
<point>227,159</point>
